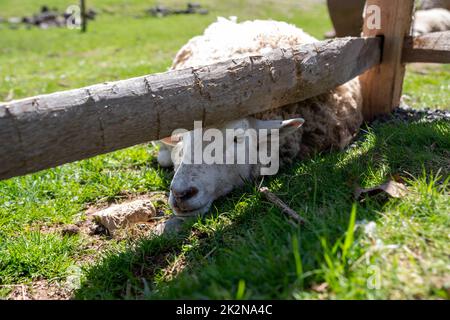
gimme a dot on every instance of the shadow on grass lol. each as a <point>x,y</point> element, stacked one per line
<point>251,242</point>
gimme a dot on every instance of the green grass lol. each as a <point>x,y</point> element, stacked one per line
<point>245,240</point>
<point>245,247</point>
<point>35,255</point>
<point>427,86</point>
<point>117,46</point>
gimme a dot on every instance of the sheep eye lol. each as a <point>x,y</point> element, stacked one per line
<point>238,139</point>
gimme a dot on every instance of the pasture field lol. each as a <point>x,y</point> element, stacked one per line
<point>244,248</point>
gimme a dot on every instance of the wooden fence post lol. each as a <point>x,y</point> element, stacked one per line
<point>346,17</point>
<point>83,15</point>
<point>382,85</point>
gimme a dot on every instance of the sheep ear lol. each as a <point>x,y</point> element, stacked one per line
<point>291,125</point>
<point>172,140</point>
<point>286,127</point>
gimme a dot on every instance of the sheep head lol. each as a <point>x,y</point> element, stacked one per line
<point>210,162</point>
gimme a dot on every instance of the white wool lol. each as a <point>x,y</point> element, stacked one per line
<point>433,20</point>
<point>226,38</point>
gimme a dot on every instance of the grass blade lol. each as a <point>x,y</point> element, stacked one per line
<point>349,236</point>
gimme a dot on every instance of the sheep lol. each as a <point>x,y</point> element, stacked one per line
<point>432,4</point>
<point>432,20</point>
<point>328,122</point>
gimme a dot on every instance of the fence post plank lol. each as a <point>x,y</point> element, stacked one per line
<point>382,85</point>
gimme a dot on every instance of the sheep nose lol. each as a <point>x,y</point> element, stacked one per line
<point>183,195</point>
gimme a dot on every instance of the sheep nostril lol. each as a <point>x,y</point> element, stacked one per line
<point>192,191</point>
<point>185,194</point>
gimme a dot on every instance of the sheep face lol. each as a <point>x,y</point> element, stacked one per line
<point>209,163</point>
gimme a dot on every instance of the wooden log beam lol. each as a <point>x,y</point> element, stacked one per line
<point>382,85</point>
<point>50,130</point>
<point>432,48</point>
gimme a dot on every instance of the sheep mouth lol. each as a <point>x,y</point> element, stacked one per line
<point>189,213</point>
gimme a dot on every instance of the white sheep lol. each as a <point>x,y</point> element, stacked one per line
<point>331,119</point>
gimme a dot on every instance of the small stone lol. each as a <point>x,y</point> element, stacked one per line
<point>97,229</point>
<point>70,230</point>
<point>173,225</point>
<point>405,107</point>
<point>125,214</point>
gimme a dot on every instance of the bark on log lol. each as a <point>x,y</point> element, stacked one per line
<point>432,48</point>
<point>50,130</point>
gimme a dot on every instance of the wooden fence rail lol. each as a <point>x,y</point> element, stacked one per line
<point>432,47</point>
<point>49,130</point>
<point>382,85</point>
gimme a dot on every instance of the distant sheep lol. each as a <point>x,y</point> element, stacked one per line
<point>433,20</point>
<point>331,120</point>
<point>432,4</point>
